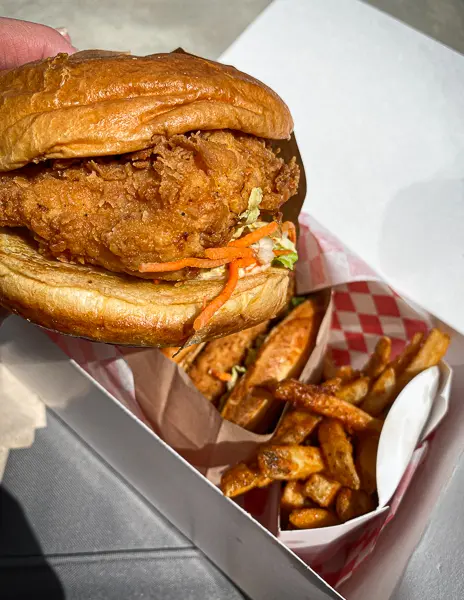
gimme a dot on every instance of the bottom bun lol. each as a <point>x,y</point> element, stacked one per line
<point>117,309</point>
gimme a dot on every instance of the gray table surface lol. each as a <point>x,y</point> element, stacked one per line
<point>71,528</point>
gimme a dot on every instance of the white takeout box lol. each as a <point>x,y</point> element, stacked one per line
<point>252,557</point>
<point>322,56</point>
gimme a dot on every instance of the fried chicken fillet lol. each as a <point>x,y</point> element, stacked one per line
<point>173,200</point>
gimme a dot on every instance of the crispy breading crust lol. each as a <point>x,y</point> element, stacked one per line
<point>171,201</point>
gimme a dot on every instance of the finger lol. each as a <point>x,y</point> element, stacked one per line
<point>64,32</point>
<point>22,42</point>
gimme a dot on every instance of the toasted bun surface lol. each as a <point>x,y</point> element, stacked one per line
<point>107,307</point>
<point>94,104</point>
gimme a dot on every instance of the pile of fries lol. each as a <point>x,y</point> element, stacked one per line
<point>325,447</point>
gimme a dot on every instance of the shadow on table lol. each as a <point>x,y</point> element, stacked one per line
<point>24,571</point>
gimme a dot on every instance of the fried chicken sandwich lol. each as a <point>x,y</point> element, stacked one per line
<point>141,197</point>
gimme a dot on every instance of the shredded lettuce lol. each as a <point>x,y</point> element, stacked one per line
<point>236,372</point>
<point>249,217</point>
<point>297,300</point>
<point>251,227</point>
<point>283,243</point>
<point>249,220</point>
<point>287,260</point>
<point>252,352</point>
<point>252,213</point>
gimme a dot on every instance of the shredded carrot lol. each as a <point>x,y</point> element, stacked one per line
<point>221,375</point>
<point>220,300</point>
<point>282,252</point>
<point>254,236</point>
<point>243,263</point>
<point>290,228</point>
<point>228,252</point>
<point>199,263</point>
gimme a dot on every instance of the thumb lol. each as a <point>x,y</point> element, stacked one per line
<point>22,42</point>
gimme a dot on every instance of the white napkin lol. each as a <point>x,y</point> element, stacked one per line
<point>21,413</point>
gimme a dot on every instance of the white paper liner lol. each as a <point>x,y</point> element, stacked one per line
<point>21,413</point>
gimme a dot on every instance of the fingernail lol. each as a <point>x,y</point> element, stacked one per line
<point>64,32</point>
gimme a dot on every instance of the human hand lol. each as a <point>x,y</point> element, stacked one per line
<point>22,42</point>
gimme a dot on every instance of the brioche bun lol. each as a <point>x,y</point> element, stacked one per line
<point>97,103</point>
<point>106,307</point>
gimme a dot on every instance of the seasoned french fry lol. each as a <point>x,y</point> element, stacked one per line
<point>346,373</point>
<point>328,369</point>
<point>354,391</point>
<point>242,478</point>
<point>332,385</point>
<point>381,394</point>
<point>219,357</point>
<point>321,489</point>
<point>263,481</point>
<point>430,354</point>
<point>312,398</point>
<point>252,412</point>
<point>289,462</point>
<point>293,497</point>
<point>283,354</point>
<point>295,426</point>
<point>338,453</point>
<point>366,462</point>
<point>353,503</point>
<point>402,360</point>
<point>343,375</point>
<point>379,359</point>
<point>330,484</point>
<point>239,479</point>
<point>312,518</point>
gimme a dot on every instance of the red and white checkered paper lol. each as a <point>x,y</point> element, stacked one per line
<point>364,309</point>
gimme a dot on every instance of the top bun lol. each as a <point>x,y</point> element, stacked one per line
<point>97,103</point>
